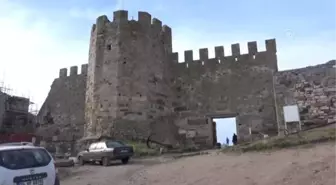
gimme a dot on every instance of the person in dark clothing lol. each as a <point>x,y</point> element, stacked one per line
<point>227,141</point>
<point>234,139</point>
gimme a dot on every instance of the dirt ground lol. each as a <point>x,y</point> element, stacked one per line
<point>302,166</point>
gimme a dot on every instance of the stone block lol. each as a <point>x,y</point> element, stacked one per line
<point>191,134</point>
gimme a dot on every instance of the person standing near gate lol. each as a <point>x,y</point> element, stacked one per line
<point>234,139</point>
<point>227,141</point>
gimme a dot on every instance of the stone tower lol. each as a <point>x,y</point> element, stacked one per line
<point>128,76</point>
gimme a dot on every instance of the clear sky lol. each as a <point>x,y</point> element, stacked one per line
<point>38,37</point>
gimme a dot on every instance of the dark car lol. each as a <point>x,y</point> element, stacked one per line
<point>105,151</point>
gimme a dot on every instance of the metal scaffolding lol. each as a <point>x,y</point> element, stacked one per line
<point>27,112</point>
<point>5,89</point>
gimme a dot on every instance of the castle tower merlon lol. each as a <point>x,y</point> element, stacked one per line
<point>144,19</point>
<point>167,30</point>
<point>203,54</point>
<point>252,47</point>
<point>156,25</point>
<point>219,51</point>
<point>235,49</point>
<point>120,16</point>
<point>84,69</point>
<point>271,45</point>
<point>167,38</point>
<point>93,28</point>
<point>101,24</point>
<point>63,72</point>
<point>73,70</point>
<point>174,57</point>
<point>188,56</point>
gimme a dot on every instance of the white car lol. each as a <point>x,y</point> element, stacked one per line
<point>26,164</point>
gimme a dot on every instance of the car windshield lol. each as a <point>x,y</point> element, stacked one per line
<point>114,144</point>
<point>24,158</point>
<point>16,144</point>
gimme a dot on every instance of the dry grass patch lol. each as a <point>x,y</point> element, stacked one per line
<point>305,138</point>
<point>141,149</point>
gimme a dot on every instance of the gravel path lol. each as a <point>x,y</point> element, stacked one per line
<point>116,174</point>
<point>291,167</point>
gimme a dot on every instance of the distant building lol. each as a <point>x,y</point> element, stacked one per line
<point>14,114</point>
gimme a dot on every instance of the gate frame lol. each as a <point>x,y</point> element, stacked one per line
<point>211,116</point>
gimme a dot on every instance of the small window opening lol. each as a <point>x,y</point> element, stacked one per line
<point>109,47</point>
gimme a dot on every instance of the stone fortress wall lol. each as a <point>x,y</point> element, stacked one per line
<point>62,114</point>
<point>221,87</point>
<point>134,86</point>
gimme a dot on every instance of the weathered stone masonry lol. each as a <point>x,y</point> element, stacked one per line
<point>128,82</point>
<point>62,114</point>
<point>239,85</point>
<point>313,89</point>
<point>135,86</point>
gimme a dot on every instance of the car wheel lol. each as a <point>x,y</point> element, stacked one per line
<point>57,181</point>
<point>125,160</point>
<point>80,161</point>
<point>105,161</point>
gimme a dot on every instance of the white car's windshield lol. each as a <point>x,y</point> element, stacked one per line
<point>24,158</point>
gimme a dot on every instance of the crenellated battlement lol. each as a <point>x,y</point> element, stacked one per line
<point>129,86</point>
<point>120,18</point>
<point>73,71</point>
<point>221,57</point>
